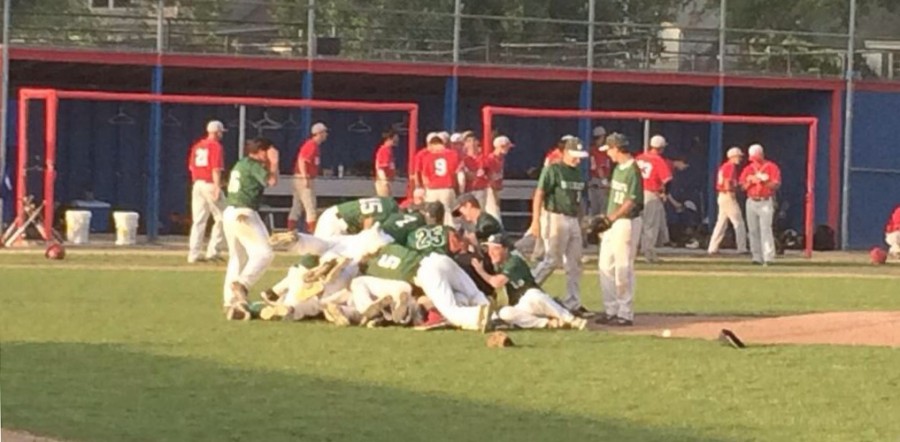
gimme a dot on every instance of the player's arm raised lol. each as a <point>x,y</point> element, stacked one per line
<point>272,158</point>
<point>496,281</point>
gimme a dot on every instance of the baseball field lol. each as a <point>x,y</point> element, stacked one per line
<point>132,346</point>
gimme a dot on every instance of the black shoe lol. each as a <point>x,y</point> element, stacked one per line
<point>582,312</point>
<point>604,319</point>
<point>269,296</point>
<point>728,337</point>
<point>621,322</point>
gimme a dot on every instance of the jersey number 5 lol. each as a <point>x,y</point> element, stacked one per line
<point>369,206</point>
<point>201,157</point>
<point>389,262</point>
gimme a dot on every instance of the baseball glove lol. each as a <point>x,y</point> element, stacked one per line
<point>499,340</point>
<point>596,226</point>
<point>280,239</point>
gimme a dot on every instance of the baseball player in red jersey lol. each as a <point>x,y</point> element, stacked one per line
<point>418,161</point>
<point>476,178</point>
<point>656,175</point>
<point>598,186</point>
<point>206,163</point>
<point>306,169</point>
<point>385,168</point>
<point>493,167</point>
<point>729,209</point>
<point>439,168</point>
<point>761,178</point>
<point>892,233</point>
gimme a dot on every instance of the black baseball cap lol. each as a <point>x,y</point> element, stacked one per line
<point>497,239</point>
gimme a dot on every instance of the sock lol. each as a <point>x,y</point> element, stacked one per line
<point>292,225</point>
<point>310,227</point>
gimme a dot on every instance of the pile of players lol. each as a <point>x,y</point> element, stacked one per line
<point>373,262</point>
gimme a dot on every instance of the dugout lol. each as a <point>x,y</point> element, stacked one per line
<point>108,155</point>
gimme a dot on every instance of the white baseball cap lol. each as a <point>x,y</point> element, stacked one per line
<point>432,137</point>
<point>755,150</point>
<point>599,131</point>
<point>318,128</point>
<point>658,141</point>
<point>456,137</point>
<point>567,137</point>
<point>502,141</point>
<point>215,126</point>
<point>735,152</point>
<point>445,136</point>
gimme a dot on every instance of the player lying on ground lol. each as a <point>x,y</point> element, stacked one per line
<point>529,306</point>
<point>352,216</point>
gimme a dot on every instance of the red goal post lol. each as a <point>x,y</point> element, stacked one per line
<point>812,124</point>
<point>51,97</point>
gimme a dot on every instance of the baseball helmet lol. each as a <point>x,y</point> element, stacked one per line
<point>433,213</point>
<point>878,255</point>
<point>55,251</point>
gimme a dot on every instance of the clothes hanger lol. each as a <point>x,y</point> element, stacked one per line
<point>359,127</point>
<point>171,120</point>
<point>267,123</point>
<point>121,118</point>
<point>291,122</point>
<point>401,127</point>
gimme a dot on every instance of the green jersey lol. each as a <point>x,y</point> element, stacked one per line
<point>400,225</point>
<point>485,226</point>
<point>430,239</point>
<point>563,187</point>
<point>246,184</point>
<point>394,262</point>
<point>519,274</point>
<point>354,212</point>
<point>626,184</point>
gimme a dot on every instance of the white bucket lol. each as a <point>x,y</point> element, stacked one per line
<point>126,227</point>
<point>78,226</point>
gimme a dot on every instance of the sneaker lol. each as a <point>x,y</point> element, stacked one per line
<point>270,297</point>
<point>604,319</point>
<point>238,293</point>
<point>335,315</point>
<point>238,312</point>
<point>376,309</point>
<point>621,322</point>
<point>400,312</point>
<point>433,321</point>
<point>484,318</point>
<point>578,324</point>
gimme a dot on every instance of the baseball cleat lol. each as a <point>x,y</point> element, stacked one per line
<point>326,271</point>
<point>238,312</point>
<point>274,312</point>
<point>621,322</point>
<point>434,321</point>
<point>238,293</point>
<point>279,239</point>
<point>728,337</point>
<point>335,315</point>
<point>376,309</point>
<point>400,313</point>
<point>270,297</point>
<point>604,319</point>
<point>578,324</point>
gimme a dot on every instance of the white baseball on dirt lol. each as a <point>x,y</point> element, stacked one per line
<point>667,333</point>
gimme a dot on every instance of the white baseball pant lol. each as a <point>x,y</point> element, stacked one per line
<point>534,310</point>
<point>492,203</point>
<point>618,250</point>
<point>447,197</point>
<point>653,218</point>
<point>729,210</point>
<point>304,200</point>
<point>289,289</point>
<point>893,241</point>
<point>451,290</point>
<point>759,223</point>
<point>538,246</point>
<point>330,224</point>
<point>354,247</point>
<point>367,290</point>
<point>598,195</point>
<point>249,253</point>
<point>203,205</point>
<point>564,248</point>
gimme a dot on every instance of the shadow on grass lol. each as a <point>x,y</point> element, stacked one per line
<point>99,392</point>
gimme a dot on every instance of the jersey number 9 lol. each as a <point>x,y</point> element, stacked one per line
<point>440,167</point>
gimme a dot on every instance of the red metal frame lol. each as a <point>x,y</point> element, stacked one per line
<point>52,97</point>
<point>488,113</point>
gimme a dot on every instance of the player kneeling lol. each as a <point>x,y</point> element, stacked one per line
<point>529,306</point>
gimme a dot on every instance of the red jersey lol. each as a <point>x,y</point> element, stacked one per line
<point>600,164</point>
<point>764,172</point>
<point>727,178</point>
<point>476,178</point>
<point>309,154</point>
<point>655,171</point>
<point>206,156</point>
<point>493,167</point>
<point>893,223</point>
<point>553,156</point>
<point>439,169</point>
<point>384,160</point>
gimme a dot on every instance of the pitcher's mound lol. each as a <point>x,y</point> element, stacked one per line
<point>841,328</point>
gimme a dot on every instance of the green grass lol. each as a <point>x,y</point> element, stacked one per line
<point>144,354</point>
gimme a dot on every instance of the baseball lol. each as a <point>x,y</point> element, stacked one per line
<point>666,333</point>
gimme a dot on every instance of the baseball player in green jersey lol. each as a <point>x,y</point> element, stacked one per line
<point>559,192</point>
<point>479,225</point>
<point>529,306</point>
<point>434,237</point>
<point>399,225</point>
<point>618,248</point>
<point>249,252</point>
<point>352,216</point>
<point>451,291</point>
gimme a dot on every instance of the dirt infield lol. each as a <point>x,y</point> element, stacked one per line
<point>839,328</point>
<point>21,436</point>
